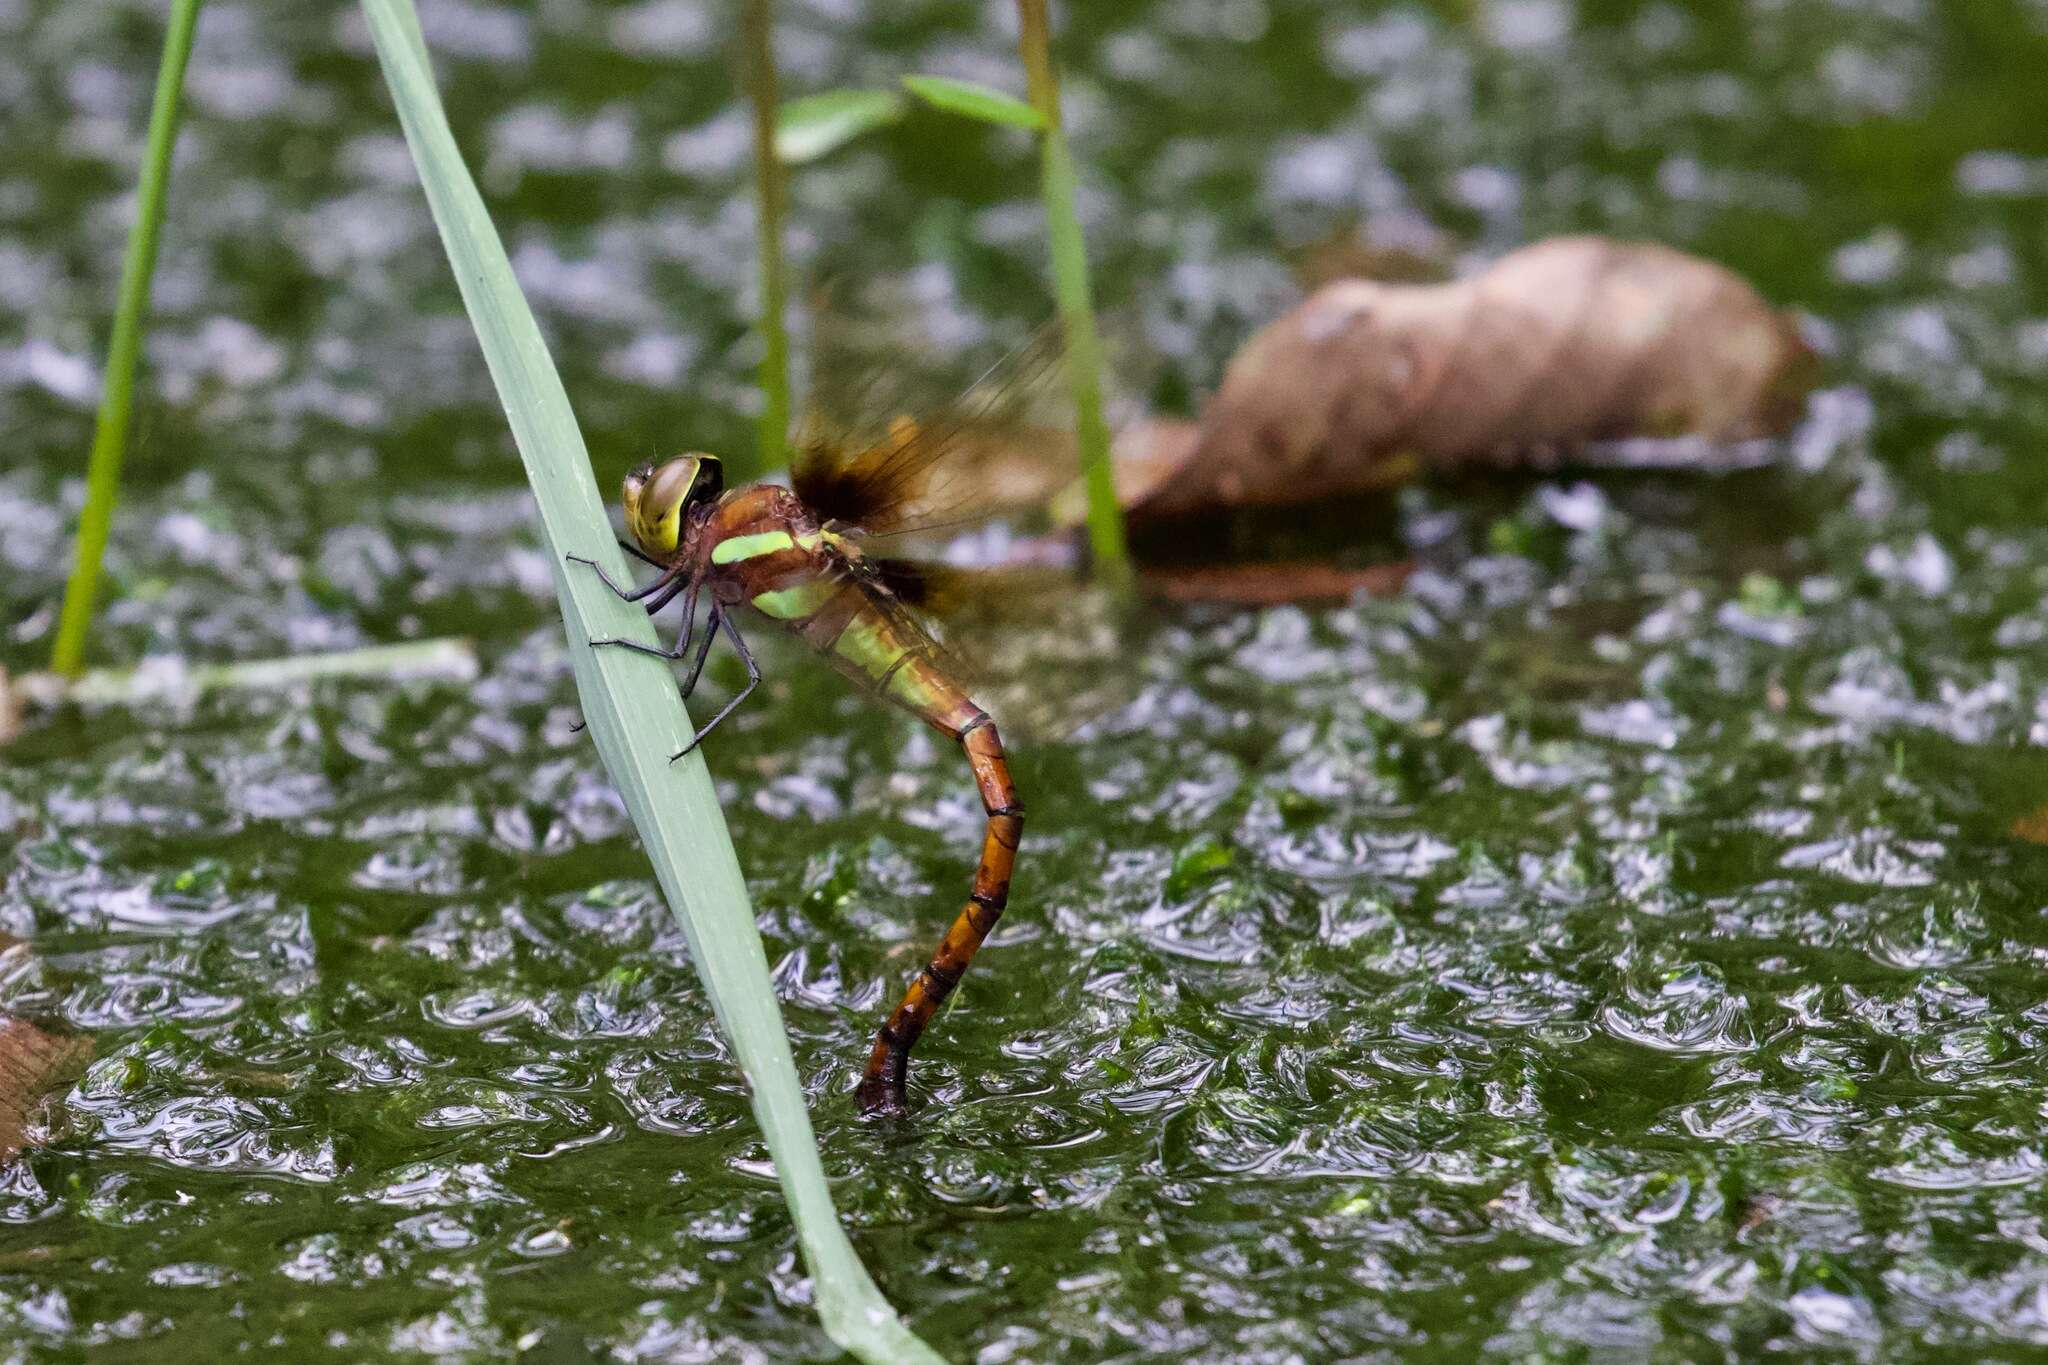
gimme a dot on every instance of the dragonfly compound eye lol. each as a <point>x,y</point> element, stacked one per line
<point>655,500</point>
<point>710,480</point>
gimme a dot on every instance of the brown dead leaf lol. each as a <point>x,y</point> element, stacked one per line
<point>1357,254</point>
<point>1273,583</point>
<point>2033,826</point>
<point>1568,341</point>
<point>32,1064</point>
<point>10,709</point>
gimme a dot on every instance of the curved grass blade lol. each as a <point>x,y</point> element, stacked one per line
<point>974,100</point>
<point>818,125</point>
<point>635,716</point>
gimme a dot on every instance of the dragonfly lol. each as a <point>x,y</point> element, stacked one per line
<point>796,557</point>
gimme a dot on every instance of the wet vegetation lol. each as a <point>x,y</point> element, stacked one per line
<point>1622,941</point>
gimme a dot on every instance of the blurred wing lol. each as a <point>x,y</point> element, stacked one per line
<point>892,589</point>
<point>1036,647</point>
<point>864,460</point>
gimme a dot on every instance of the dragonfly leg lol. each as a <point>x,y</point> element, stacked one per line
<point>645,558</point>
<point>882,1087</point>
<point>703,649</point>
<point>668,576</point>
<point>682,645</point>
<point>663,599</point>
<point>719,618</point>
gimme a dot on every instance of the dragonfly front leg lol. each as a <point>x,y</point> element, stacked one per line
<point>682,645</point>
<point>703,649</point>
<point>668,576</point>
<point>718,619</point>
<point>634,550</point>
<point>882,1087</point>
<point>667,585</point>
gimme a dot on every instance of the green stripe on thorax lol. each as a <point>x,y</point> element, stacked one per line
<point>735,548</point>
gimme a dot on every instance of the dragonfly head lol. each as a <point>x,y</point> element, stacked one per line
<point>657,498</point>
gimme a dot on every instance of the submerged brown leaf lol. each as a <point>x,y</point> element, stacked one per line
<point>32,1064</point>
<point>2032,826</point>
<point>1273,582</point>
<point>1566,342</point>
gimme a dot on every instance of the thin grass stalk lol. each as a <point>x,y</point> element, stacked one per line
<point>1106,540</point>
<point>449,660</point>
<point>757,32</point>
<point>635,717</point>
<point>117,398</point>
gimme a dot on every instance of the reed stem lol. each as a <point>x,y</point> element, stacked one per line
<point>138,270</point>
<point>758,35</point>
<point>1106,541</point>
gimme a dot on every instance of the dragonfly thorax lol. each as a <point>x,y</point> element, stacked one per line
<point>657,497</point>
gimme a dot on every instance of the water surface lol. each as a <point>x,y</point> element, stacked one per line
<point>1616,947</point>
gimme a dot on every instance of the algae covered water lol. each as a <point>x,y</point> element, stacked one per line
<point>1627,943</point>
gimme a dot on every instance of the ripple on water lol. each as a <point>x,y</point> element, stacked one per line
<point>1685,1011</point>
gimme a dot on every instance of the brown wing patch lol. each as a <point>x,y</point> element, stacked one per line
<point>865,461</point>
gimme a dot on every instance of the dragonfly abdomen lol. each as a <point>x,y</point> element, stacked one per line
<point>812,590</point>
<point>871,650</point>
<point>855,623</point>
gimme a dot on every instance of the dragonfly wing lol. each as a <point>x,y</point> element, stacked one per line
<point>1037,648</point>
<point>864,460</point>
<point>880,580</point>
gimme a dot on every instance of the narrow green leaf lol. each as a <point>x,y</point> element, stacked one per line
<point>771,189</point>
<point>449,660</point>
<point>1108,551</point>
<point>1059,186</point>
<point>110,431</point>
<point>630,702</point>
<point>974,100</point>
<point>818,125</point>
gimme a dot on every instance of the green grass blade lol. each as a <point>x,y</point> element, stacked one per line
<point>974,100</point>
<point>817,125</point>
<point>1107,549</point>
<point>161,678</point>
<point>630,701</point>
<point>757,25</point>
<point>1106,541</point>
<point>138,270</point>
